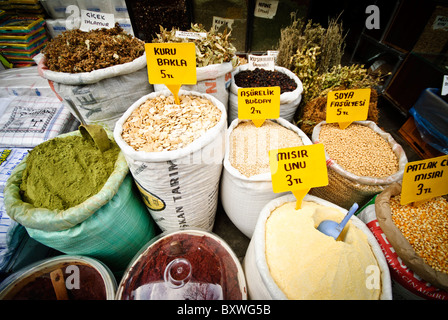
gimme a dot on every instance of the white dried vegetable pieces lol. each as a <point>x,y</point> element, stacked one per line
<point>249,145</point>
<point>159,124</point>
<point>359,149</point>
<point>426,229</point>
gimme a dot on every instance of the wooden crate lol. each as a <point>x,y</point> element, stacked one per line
<point>410,133</point>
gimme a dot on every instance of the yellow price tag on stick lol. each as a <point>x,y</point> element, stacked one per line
<point>298,169</point>
<point>171,64</point>
<point>346,106</point>
<point>424,179</point>
<point>259,104</point>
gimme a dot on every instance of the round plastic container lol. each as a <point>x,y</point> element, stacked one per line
<point>184,265</point>
<point>85,279</point>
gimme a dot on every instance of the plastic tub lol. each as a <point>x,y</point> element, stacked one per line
<point>184,265</point>
<point>85,279</point>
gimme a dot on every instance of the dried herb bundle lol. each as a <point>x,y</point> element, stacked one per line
<point>339,78</point>
<point>76,51</point>
<point>214,48</point>
<point>310,50</point>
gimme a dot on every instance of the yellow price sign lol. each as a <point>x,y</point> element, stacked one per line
<point>298,169</point>
<point>259,104</point>
<point>424,179</point>
<point>171,64</point>
<point>346,106</point>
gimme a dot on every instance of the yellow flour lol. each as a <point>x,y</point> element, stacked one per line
<point>306,264</point>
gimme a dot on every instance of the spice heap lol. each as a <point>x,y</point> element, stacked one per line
<point>264,78</point>
<point>359,149</point>
<point>307,264</point>
<point>214,48</point>
<point>425,227</point>
<point>159,124</point>
<point>249,146</point>
<point>63,172</point>
<point>76,51</point>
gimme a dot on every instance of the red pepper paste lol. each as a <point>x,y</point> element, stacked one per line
<point>210,263</point>
<point>91,286</point>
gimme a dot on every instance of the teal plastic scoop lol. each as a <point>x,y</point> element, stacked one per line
<point>332,228</point>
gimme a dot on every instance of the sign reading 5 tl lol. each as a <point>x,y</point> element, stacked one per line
<point>171,63</point>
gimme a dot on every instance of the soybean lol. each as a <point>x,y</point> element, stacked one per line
<point>359,149</point>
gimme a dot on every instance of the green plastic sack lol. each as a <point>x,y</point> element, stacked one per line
<point>111,226</point>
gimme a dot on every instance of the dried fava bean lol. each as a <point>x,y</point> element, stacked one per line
<point>426,229</point>
<point>264,78</point>
<point>359,150</point>
<point>249,145</point>
<point>159,124</point>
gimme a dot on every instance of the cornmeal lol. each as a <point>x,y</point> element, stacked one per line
<point>306,264</point>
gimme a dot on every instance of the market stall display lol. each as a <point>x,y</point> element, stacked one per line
<point>102,71</point>
<point>246,185</point>
<point>87,204</point>
<point>288,258</point>
<point>175,154</point>
<point>289,83</point>
<point>362,161</point>
<point>413,239</point>
<point>177,166</point>
<point>215,59</point>
<point>184,265</point>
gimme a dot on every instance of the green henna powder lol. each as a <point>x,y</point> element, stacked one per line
<point>63,172</point>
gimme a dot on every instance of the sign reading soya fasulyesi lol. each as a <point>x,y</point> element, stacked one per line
<point>346,106</point>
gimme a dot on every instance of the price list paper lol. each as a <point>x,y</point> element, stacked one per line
<point>424,179</point>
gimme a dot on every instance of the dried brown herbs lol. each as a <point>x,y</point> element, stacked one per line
<point>214,48</point>
<point>76,51</point>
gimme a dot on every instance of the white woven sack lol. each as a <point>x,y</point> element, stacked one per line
<point>243,197</point>
<point>103,95</point>
<point>289,101</point>
<point>213,79</point>
<point>396,148</point>
<point>179,187</point>
<point>260,284</point>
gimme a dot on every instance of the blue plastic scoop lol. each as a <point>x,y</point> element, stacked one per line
<point>332,228</point>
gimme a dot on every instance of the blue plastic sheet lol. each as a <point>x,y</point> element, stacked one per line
<point>430,114</point>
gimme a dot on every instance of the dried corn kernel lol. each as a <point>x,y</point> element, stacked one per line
<point>426,229</point>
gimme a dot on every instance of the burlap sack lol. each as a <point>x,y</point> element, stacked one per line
<point>401,245</point>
